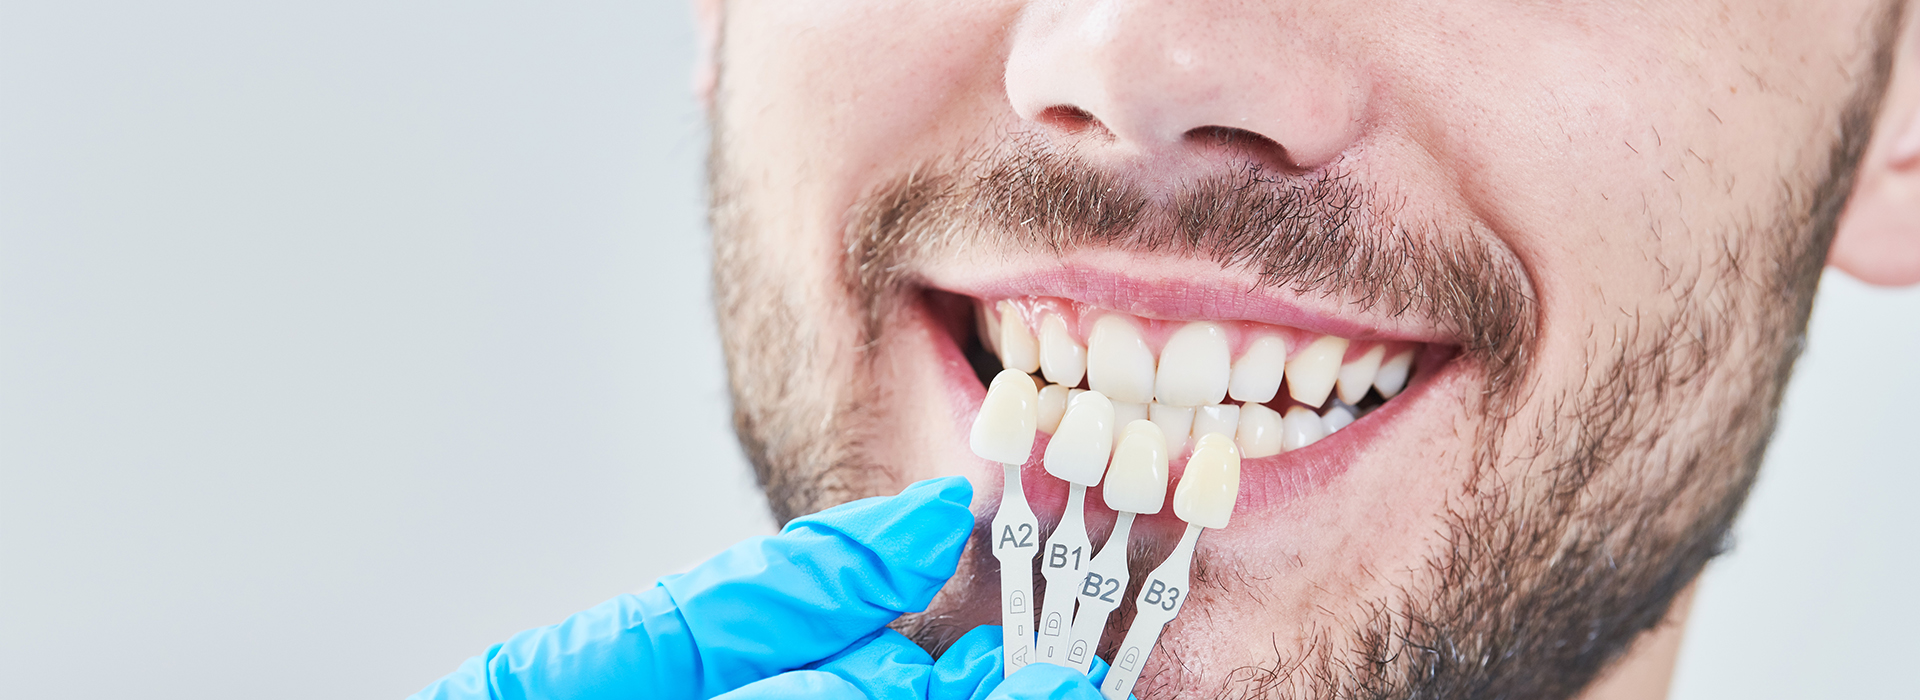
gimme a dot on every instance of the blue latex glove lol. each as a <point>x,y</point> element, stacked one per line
<point>800,614</point>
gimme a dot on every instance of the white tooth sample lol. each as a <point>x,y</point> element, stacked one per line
<point>1302,427</point>
<point>1194,366</point>
<point>1218,418</point>
<point>1018,348</point>
<point>1210,484</point>
<point>1257,374</point>
<point>1062,359</point>
<point>1003,430</point>
<point>1356,377</point>
<point>1393,374</point>
<point>1137,479</point>
<point>1074,394</point>
<point>1337,417</point>
<point>1310,374</point>
<point>1119,364</point>
<point>1079,449</point>
<point>1053,405</point>
<point>1259,433</point>
<point>1176,423</point>
<point>1125,412</point>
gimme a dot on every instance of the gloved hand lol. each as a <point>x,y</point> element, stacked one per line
<point>802,614</point>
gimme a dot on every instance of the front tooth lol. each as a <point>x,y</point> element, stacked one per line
<point>1079,450</point>
<point>1053,405</point>
<point>1303,428</point>
<point>1211,483</point>
<point>987,322</point>
<point>1218,418</point>
<point>1310,374</point>
<point>1125,413</point>
<point>1176,423</point>
<point>1003,430</point>
<point>1259,432</point>
<point>1062,359</point>
<point>1194,366</point>
<point>1118,361</point>
<point>1337,417</point>
<point>1393,374</point>
<point>1356,377</point>
<point>1257,374</point>
<point>1018,349</point>
<point>1137,478</point>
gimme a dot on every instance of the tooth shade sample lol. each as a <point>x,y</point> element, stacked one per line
<point>1074,394</point>
<point>1259,432</point>
<point>1257,374</point>
<point>1137,479</point>
<point>1194,366</point>
<point>1079,449</point>
<point>1018,349</point>
<point>1356,377</point>
<point>1310,374</point>
<point>1053,404</point>
<point>1220,418</point>
<point>1393,374</point>
<point>1003,430</point>
<point>1210,484</point>
<point>1118,361</point>
<point>1176,423</point>
<point>1062,359</point>
<point>1302,427</point>
<point>1337,417</point>
<point>1125,412</point>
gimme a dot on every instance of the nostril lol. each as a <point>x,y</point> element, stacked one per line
<point>1069,119</point>
<point>1260,149</point>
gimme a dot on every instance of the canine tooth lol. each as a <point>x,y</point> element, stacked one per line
<point>1211,483</point>
<point>1125,413</point>
<point>1337,417</point>
<point>1079,449</point>
<point>1194,366</point>
<point>1257,374</point>
<point>1137,478</point>
<point>1003,430</point>
<point>1053,405</point>
<point>1018,349</point>
<point>986,320</point>
<point>1176,423</point>
<point>1062,359</point>
<point>1259,432</point>
<point>1356,377</point>
<point>1303,428</point>
<point>1218,418</point>
<point>1310,374</point>
<point>1118,361</point>
<point>1393,374</point>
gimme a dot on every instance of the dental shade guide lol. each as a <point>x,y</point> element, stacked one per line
<point>1136,484</point>
<point>1078,455</point>
<point>1003,432</point>
<point>1204,499</point>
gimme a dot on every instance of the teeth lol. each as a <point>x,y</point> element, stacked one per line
<point>1211,483</point>
<point>1256,376</point>
<point>1074,394</point>
<point>987,322</point>
<point>1310,374</point>
<point>1218,418</point>
<point>1176,423</point>
<point>1393,374</point>
<point>1125,413</point>
<point>1259,432</point>
<point>1003,430</point>
<point>1137,479</point>
<point>1018,349</point>
<point>1062,359</point>
<point>1302,428</point>
<point>1118,361</point>
<point>1053,404</point>
<point>1356,377</point>
<point>1337,417</point>
<point>1194,366</point>
<point>1078,452</point>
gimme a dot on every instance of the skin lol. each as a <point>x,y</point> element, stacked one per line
<point>1657,183</point>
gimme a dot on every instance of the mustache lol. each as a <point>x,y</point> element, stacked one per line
<point>1315,233</point>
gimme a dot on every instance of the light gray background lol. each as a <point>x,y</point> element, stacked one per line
<point>338,342</point>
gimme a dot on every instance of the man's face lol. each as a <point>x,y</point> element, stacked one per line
<point>1590,232</point>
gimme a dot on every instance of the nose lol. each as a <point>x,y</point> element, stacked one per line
<point>1166,76</point>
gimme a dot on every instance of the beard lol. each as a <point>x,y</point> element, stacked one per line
<point>1590,503</point>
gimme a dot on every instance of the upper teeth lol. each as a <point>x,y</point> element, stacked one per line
<point>1183,389</point>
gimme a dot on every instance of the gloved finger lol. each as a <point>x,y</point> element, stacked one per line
<point>763,607</point>
<point>886,667</point>
<point>971,670</point>
<point>797,685</point>
<point>1045,681</point>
